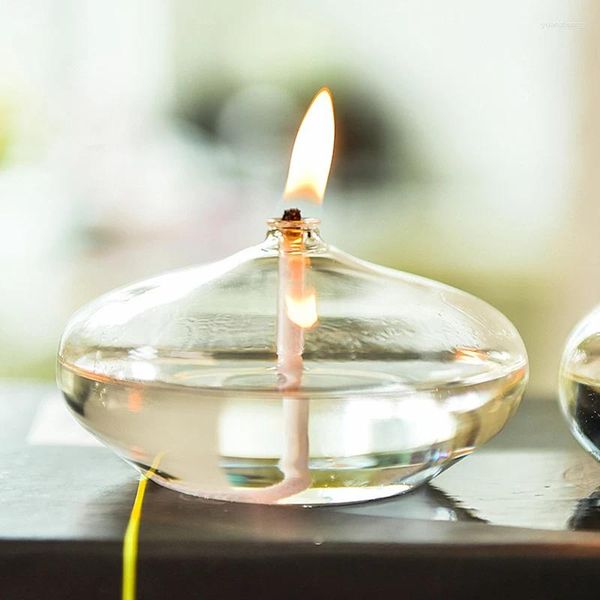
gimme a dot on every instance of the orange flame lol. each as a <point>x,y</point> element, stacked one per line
<point>313,151</point>
<point>302,310</point>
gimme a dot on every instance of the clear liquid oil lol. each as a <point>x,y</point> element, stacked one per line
<point>228,433</point>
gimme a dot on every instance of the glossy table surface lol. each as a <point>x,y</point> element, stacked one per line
<point>517,519</point>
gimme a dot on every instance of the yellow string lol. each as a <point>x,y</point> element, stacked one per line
<point>130,541</point>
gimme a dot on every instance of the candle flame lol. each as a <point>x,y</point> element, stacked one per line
<point>303,310</point>
<point>313,151</point>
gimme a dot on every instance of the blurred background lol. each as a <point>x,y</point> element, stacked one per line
<point>142,135</point>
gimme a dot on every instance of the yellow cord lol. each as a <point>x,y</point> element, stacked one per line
<point>130,541</point>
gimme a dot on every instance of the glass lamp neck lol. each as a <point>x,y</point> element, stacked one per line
<point>300,235</point>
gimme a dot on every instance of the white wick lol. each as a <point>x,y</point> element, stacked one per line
<point>290,365</point>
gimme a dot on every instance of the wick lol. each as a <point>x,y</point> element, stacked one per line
<point>292,214</point>
<point>294,461</point>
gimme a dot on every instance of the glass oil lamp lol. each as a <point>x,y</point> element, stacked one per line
<point>580,382</point>
<point>292,372</point>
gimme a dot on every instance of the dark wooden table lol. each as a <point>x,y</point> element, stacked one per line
<point>515,520</point>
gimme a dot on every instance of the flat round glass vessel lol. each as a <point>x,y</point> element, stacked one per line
<point>580,382</point>
<point>291,373</point>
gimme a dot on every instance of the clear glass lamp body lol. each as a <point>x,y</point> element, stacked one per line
<point>402,376</point>
<point>579,383</point>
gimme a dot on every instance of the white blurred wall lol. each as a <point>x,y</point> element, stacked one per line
<point>100,185</point>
